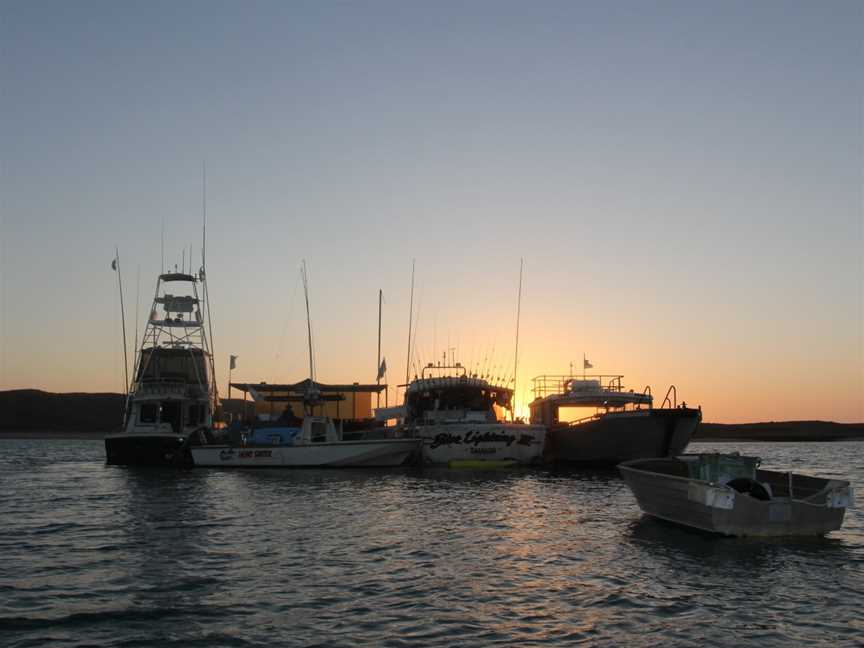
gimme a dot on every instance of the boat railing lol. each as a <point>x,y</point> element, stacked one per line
<point>583,419</point>
<point>673,402</point>
<point>551,384</point>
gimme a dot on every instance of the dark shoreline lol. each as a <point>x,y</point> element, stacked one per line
<point>35,414</point>
<point>799,431</point>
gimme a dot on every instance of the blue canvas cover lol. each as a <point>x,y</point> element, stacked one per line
<point>274,435</point>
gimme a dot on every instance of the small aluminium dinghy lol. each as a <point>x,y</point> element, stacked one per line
<point>730,495</point>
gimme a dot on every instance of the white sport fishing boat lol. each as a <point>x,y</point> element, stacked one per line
<point>172,397</point>
<point>461,421</point>
<point>593,420</point>
<point>316,442</point>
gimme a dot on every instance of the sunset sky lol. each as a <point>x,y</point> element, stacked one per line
<point>682,179</point>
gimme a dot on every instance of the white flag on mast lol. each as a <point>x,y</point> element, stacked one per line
<point>586,364</point>
<point>232,364</point>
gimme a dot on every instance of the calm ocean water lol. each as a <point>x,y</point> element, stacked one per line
<point>100,555</point>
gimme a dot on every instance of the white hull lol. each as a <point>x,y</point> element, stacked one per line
<point>379,453</point>
<point>444,443</point>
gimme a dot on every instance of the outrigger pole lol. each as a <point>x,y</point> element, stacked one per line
<point>378,366</point>
<point>516,356</point>
<point>203,277</point>
<point>410,322</point>
<point>116,266</point>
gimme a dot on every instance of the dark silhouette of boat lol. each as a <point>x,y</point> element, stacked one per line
<point>622,424</point>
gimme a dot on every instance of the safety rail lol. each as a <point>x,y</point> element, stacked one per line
<point>674,402</point>
<point>583,419</point>
<point>550,384</point>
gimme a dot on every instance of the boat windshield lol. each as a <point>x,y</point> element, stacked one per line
<point>172,365</point>
<point>443,397</point>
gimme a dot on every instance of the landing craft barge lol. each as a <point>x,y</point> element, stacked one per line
<point>611,424</point>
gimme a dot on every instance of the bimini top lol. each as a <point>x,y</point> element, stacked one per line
<point>282,393</point>
<point>178,276</point>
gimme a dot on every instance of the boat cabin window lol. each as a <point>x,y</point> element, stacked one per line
<point>459,397</point>
<point>318,430</point>
<point>148,412</point>
<point>172,365</point>
<point>574,414</point>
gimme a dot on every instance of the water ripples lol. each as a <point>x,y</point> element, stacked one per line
<point>100,555</point>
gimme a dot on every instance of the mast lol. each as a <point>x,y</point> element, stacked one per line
<point>203,277</point>
<point>516,355</point>
<point>137,300</point>
<point>378,366</point>
<point>410,321</point>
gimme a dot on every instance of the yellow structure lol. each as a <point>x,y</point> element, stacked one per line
<point>287,401</point>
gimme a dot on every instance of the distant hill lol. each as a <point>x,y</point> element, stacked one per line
<point>32,409</point>
<point>780,431</point>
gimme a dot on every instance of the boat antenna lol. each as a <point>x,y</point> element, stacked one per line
<point>116,266</point>
<point>410,322</point>
<point>163,245</point>
<point>516,354</point>
<point>204,209</point>
<point>137,300</point>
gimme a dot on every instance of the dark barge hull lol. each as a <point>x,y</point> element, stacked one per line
<point>606,441</point>
<point>147,450</point>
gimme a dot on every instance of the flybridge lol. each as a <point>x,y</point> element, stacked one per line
<point>588,390</point>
